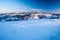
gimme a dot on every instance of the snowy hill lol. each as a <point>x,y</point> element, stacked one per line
<point>42,29</point>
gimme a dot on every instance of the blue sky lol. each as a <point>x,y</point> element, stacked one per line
<point>22,5</point>
<point>12,6</point>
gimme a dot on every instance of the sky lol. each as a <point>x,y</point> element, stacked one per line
<point>25,5</point>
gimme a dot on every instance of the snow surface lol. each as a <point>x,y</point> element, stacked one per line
<point>43,29</point>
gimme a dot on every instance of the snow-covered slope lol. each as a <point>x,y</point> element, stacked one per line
<point>43,29</point>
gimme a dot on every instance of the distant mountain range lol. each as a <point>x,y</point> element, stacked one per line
<point>28,15</point>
